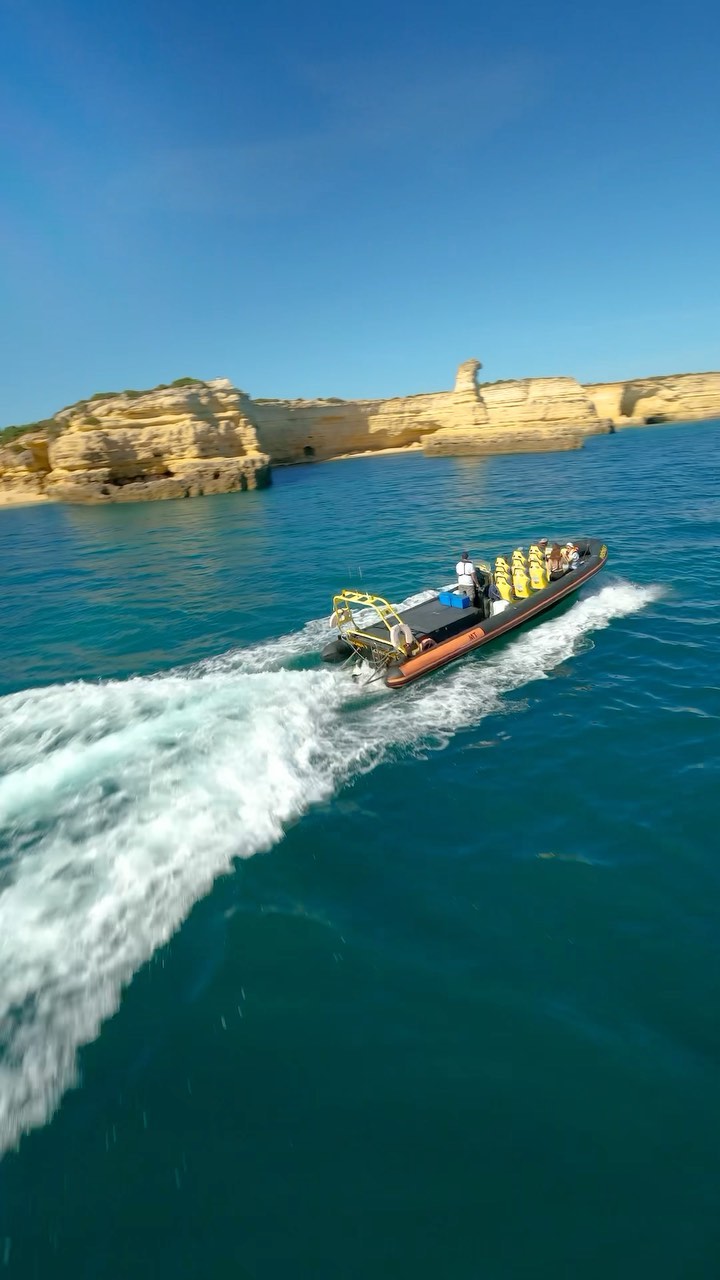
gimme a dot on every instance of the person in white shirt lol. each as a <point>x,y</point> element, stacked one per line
<point>571,555</point>
<point>467,577</point>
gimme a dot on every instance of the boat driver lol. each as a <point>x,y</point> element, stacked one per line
<point>467,578</point>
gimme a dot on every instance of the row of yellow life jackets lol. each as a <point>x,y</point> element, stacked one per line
<point>518,579</point>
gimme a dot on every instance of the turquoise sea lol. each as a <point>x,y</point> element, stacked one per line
<point>306,980</point>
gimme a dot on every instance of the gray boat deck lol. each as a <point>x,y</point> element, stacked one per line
<point>431,618</point>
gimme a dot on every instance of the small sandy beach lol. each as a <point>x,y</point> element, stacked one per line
<point>20,499</point>
<point>375,453</point>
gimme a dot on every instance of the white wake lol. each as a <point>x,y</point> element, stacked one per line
<point>122,801</point>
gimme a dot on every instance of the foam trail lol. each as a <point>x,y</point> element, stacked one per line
<point>273,654</point>
<point>121,802</point>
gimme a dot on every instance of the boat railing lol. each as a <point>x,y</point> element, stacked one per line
<point>353,633</point>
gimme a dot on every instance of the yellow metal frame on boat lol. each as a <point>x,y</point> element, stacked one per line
<point>344,616</point>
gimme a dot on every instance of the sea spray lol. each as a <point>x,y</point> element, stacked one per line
<point>121,802</point>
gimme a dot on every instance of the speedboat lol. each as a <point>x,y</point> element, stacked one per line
<point>403,644</point>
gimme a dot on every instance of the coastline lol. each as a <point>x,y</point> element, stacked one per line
<point>372,453</point>
<point>196,438</point>
<point>23,499</point>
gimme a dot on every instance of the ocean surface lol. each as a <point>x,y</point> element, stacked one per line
<point>304,979</point>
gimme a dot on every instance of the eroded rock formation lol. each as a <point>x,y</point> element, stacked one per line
<point>526,416</point>
<point>208,437</point>
<point>24,465</point>
<point>680,397</point>
<point>531,415</point>
<point>169,443</point>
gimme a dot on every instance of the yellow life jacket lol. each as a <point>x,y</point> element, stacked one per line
<point>538,575</point>
<point>521,583</point>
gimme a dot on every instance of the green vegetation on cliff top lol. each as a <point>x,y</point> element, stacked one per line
<point>11,433</point>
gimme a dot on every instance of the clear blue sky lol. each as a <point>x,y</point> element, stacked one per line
<point>348,199</point>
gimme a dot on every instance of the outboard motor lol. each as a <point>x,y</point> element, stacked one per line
<point>337,650</point>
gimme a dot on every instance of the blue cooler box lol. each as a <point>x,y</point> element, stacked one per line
<point>455,599</point>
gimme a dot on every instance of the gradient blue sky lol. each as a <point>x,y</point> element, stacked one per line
<point>335,199</point>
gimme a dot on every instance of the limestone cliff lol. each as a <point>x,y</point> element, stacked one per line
<point>297,430</point>
<point>180,441</point>
<point>534,414</point>
<point>526,416</point>
<point>208,437</point>
<point>23,467</point>
<point>681,397</point>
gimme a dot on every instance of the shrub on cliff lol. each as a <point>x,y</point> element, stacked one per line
<point>11,433</point>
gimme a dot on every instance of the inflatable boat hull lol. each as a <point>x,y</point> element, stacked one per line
<point>475,630</point>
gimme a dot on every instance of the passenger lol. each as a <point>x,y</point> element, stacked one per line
<point>467,578</point>
<point>556,563</point>
<point>496,603</point>
<point>571,555</point>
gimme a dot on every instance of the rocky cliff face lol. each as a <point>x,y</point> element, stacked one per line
<point>535,414</point>
<point>300,430</point>
<point>169,443</point>
<point>209,437</point>
<point>23,466</point>
<point>681,397</point>
<point>527,416</point>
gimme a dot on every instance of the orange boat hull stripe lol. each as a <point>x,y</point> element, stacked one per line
<point>469,640</point>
